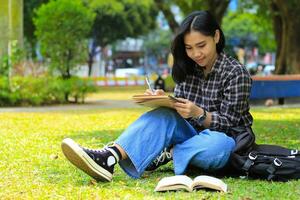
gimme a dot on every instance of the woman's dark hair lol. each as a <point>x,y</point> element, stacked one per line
<point>206,24</point>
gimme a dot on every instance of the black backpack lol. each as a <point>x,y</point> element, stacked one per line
<point>270,162</point>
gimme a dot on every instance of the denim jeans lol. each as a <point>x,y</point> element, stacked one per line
<point>146,137</point>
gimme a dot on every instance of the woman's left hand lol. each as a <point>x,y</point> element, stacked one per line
<point>187,109</point>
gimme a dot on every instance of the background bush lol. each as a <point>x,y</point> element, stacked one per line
<point>43,90</point>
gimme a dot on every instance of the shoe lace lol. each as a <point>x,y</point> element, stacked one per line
<point>103,149</point>
<point>165,154</point>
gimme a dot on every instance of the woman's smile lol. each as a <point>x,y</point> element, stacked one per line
<point>200,61</point>
<point>201,48</point>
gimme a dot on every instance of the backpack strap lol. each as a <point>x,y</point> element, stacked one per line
<point>273,167</point>
<point>294,152</point>
<point>250,161</point>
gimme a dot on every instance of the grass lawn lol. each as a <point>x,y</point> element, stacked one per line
<point>116,92</point>
<point>32,165</point>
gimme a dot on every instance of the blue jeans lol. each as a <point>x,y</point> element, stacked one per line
<point>146,137</point>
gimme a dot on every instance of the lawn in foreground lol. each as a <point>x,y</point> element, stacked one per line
<point>32,165</point>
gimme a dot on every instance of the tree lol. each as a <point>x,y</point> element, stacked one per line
<point>157,42</point>
<point>286,28</point>
<point>62,27</point>
<point>29,14</point>
<point>216,7</point>
<point>117,20</point>
<point>165,7</point>
<point>250,29</point>
<point>286,21</point>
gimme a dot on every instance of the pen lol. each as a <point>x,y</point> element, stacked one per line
<point>149,85</point>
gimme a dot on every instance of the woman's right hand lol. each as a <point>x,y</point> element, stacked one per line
<point>159,92</point>
<point>156,92</point>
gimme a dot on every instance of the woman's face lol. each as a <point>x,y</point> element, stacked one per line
<point>201,48</point>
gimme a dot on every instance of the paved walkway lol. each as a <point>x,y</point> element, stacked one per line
<point>87,106</point>
<point>106,104</point>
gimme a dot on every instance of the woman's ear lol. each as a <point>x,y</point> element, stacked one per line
<point>217,36</point>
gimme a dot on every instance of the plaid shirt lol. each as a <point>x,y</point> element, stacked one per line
<point>224,93</point>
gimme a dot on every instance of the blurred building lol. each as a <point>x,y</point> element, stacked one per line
<point>128,53</point>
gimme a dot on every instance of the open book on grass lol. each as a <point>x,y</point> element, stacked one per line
<point>155,100</point>
<point>183,182</point>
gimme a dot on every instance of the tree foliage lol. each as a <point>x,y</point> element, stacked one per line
<point>62,27</point>
<point>165,7</point>
<point>29,14</point>
<point>216,7</point>
<point>250,29</point>
<point>119,19</point>
<point>157,42</point>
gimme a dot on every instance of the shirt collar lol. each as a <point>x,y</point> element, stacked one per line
<point>217,66</point>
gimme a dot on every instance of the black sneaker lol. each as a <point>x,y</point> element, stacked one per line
<point>99,164</point>
<point>164,157</point>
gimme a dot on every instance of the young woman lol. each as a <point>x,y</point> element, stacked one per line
<point>213,89</point>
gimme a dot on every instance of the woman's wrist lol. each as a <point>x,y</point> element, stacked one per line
<point>198,112</point>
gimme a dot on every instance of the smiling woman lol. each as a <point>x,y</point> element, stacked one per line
<point>200,130</point>
<point>202,49</point>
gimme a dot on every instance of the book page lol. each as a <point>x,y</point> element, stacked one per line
<point>209,182</point>
<point>175,183</point>
<point>153,100</point>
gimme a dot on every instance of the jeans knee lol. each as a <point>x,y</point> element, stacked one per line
<point>218,141</point>
<point>165,112</point>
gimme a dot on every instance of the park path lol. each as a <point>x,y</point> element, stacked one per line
<point>106,104</point>
<point>90,105</point>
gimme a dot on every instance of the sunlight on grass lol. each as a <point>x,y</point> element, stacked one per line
<point>278,126</point>
<point>116,93</point>
<point>33,167</point>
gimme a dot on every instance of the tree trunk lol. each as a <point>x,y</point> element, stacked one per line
<point>293,48</point>
<point>90,62</point>
<point>279,29</point>
<point>287,28</point>
<point>218,8</point>
<point>168,15</point>
<point>91,55</point>
<point>69,56</point>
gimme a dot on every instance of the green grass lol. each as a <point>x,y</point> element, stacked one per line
<point>32,165</point>
<point>117,92</point>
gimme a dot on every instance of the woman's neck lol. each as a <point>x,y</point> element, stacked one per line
<point>210,65</point>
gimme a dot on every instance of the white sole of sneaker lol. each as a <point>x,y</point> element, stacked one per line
<point>83,161</point>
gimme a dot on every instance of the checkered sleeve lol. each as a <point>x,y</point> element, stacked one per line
<point>235,102</point>
<point>178,91</point>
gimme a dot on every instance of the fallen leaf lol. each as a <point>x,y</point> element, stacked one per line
<point>93,182</point>
<point>53,156</point>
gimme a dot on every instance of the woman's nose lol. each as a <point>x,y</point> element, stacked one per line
<point>197,54</point>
